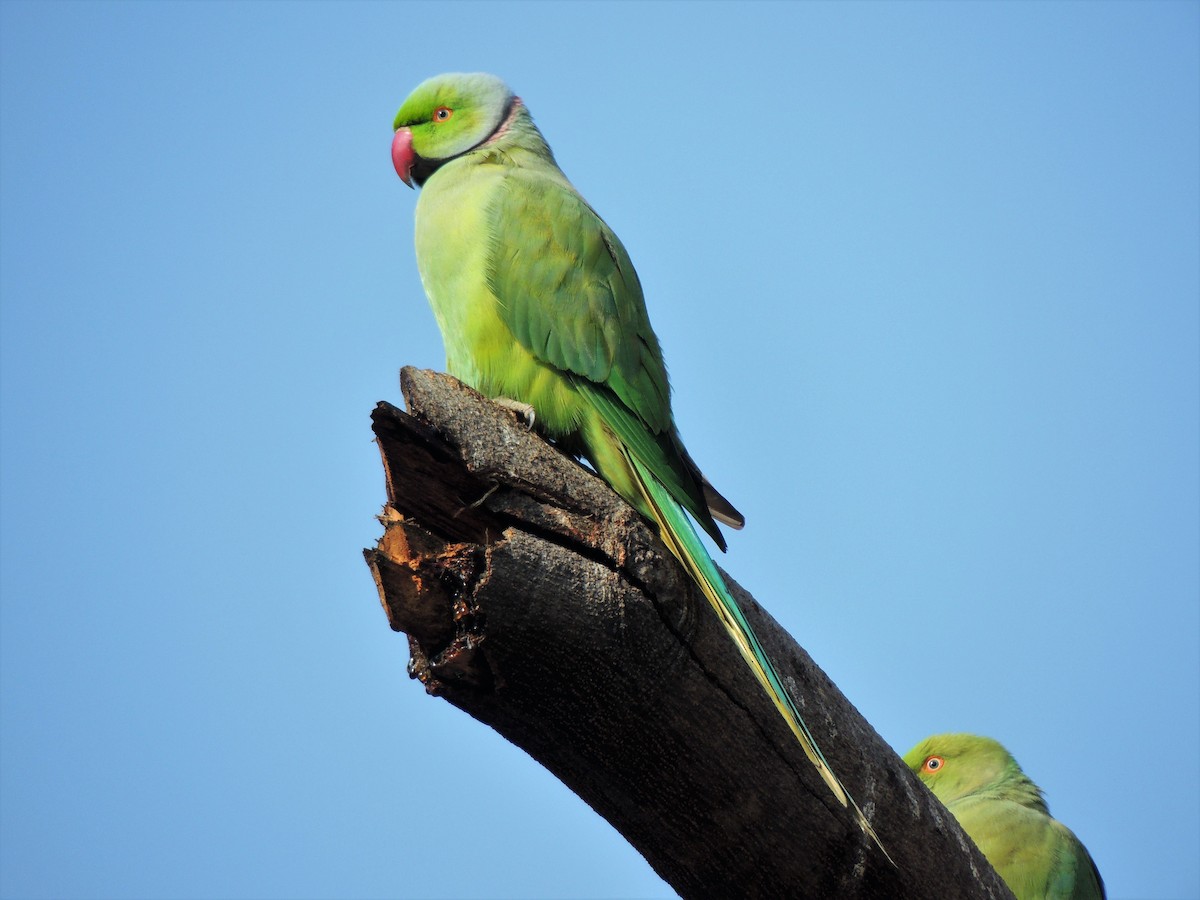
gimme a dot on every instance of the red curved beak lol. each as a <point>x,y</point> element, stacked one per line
<point>402,155</point>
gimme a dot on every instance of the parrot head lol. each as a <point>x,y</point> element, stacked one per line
<point>445,117</point>
<point>954,766</point>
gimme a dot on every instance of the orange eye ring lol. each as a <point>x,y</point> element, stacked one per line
<point>442,113</point>
<point>933,764</point>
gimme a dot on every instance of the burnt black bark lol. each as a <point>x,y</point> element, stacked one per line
<point>538,602</point>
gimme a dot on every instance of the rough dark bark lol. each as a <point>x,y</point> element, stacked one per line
<point>538,602</point>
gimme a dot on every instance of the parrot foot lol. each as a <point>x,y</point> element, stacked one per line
<point>523,411</point>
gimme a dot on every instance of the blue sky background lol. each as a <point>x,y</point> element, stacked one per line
<point>927,278</point>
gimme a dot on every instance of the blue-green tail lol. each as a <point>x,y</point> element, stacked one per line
<point>680,536</point>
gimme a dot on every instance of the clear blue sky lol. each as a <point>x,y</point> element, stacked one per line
<point>928,281</point>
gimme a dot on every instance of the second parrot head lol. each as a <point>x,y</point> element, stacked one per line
<point>447,116</point>
<point>957,765</point>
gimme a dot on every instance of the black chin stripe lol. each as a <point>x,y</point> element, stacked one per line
<point>422,168</point>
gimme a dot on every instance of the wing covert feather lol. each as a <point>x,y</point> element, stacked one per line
<point>569,293</point>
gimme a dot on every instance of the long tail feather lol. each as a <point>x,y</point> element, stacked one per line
<point>682,540</point>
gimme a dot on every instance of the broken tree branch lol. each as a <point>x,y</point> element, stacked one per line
<point>541,604</point>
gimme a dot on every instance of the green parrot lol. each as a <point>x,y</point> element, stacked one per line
<point>1004,814</point>
<point>539,305</point>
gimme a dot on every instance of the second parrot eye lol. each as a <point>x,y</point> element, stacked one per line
<point>442,113</point>
<point>933,763</point>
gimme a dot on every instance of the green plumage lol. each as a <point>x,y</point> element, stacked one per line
<point>538,302</point>
<point>1004,813</point>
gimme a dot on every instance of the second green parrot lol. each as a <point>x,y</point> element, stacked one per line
<point>1003,812</point>
<point>538,303</point>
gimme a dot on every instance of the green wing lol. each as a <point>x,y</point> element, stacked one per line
<point>569,294</point>
<point>1038,857</point>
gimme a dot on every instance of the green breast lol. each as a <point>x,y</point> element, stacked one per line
<point>452,247</point>
<point>455,219</point>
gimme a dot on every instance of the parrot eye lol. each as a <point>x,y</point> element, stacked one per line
<point>442,113</point>
<point>933,763</point>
